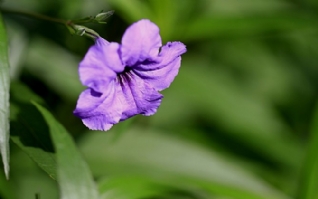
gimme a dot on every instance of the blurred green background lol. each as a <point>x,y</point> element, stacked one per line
<point>238,121</point>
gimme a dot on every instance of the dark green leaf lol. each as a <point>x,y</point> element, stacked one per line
<point>4,99</point>
<point>29,130</point>
<point>6,191</point>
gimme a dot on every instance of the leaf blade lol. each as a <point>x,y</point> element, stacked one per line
<point>73,174</point>
<point>171,162</point>
<point>310,173</point>
<point>29,130</point>
<point>4,100</point>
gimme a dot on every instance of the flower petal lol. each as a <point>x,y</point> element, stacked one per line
<point>160,74</point>
<point>99,112</point>
<point>141,41</point>
<point>100,65</point>
<point>137,96</point>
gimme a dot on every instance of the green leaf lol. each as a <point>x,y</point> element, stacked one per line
<point>174,162</point>
<point>310,179</point>
<point>131,10</point>
<point>27,179</point>
<point>165,16</point>
<point>65,67</point>
<point>253,132</point>
<point>131,187</point>
<point>46,141</point>
<point>4,99</point>
<point>6,189</point>
<point>29,130</point>
<point>74,177</point>
<point>207,27</point>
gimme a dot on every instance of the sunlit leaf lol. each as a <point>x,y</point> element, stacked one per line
<point>4,99</point>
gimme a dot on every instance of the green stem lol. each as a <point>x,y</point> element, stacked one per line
<point>35,15</point>
<point>74,28</point>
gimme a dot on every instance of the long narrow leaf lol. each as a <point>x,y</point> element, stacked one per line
<point>310,180</point>
<point>74,177</point>
<point>4,99</point>
<point>170,162</point>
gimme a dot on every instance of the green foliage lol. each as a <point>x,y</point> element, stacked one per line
<point>239,121</point>
<point>46,141</point>
<point>310,181</point>
<point>29,130</point>
<point>4,99</point>
<point>74,177</point>
<point>5,190</point>
<point>169,162</point>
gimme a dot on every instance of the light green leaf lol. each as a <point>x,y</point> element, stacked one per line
<point>310,179</point>
<point>172,161</point>
<point>4,99</point>
<point>131,187</point>
<point>73,174</point>
<point>207,27</point>
<point>233,110</point>
<point>165,16</point>
<point>27,179</point>
<point>132,10</point>
<point>18,42</point>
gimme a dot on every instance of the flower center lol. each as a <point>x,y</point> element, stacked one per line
<point>124,76</point>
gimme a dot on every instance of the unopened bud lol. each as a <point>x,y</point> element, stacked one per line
<point>79,30</point>
<point>102,16</point>
<point>82,30</point>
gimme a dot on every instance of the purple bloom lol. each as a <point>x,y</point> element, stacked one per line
<point>124,79</point>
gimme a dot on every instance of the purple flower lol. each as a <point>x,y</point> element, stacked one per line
<point>123,80</point>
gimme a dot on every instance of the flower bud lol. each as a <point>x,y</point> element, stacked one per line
<point>82,30</point>
<point>79,30</point>
<point>102,16</point>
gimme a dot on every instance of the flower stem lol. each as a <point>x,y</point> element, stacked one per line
<point>34,15</point>
<point>70,24</point>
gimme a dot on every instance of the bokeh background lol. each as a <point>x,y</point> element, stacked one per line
<point>238,121</point>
